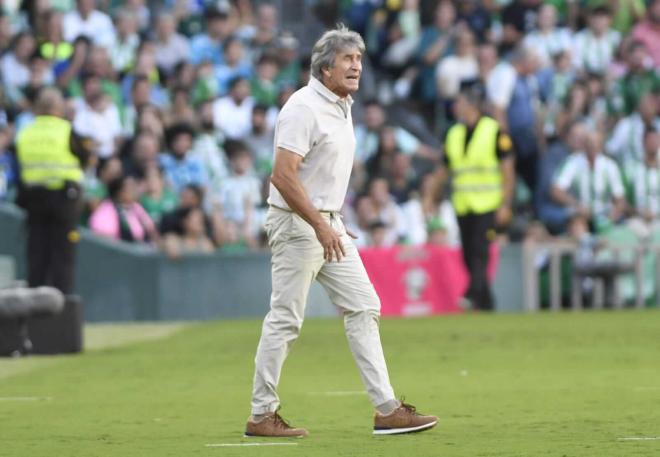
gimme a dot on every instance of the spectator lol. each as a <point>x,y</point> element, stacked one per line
<point>459,67</point>
<point>232,114</point>
<point>435,43</point>
<point>639,80</point>
<point>145,65</point>
<point>262,38</point>
<point>144,150</point>
<point>157,199</point>
<point>644,183</point>
<point>126,41</point>
<point>359,220</point>
<point>589,185</point>
<point>193,239</point>
<point>626,143</point>
<point>240,195</point>
<point>367,135</point>
<point>263,87</point>
<point>98,118</point>
<point>260,141</point>
<point>208,46</point>
<point>579,106</point>
<point>289,65</point>
<point>548,39</point>
<point>207,150</point>
<point>477,18</point>
<point>88,21</point>
<point>648,31</point>
<point>15,65</point>
<point>387,211</point>
<point>554,215</point>
<point>171,47</point>
<point>378,235</point>
<point>498,79</point>
<point>234,65</point>
<point>521,115</point>
<point>595,46</point>
<point>140,12</point>
<point>98,174</point>
<point>181,111</point>
<point>437,233</point>
<point>120,216</point>
<point>54,47</point>
<point>8,167</point>
<point>179,168</point>
<point>518,19</point>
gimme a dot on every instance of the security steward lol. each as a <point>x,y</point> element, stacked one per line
<point>51,159</point>
<point>479,159</point>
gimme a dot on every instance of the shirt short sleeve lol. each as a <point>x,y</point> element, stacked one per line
<point>616,182</point>
<point>295,126</point>
<point>566,174</point>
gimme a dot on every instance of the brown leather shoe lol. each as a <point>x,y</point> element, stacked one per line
<point>272,425</point>
<point>404,419</point>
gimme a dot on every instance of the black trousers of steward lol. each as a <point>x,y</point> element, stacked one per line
<point>476,230</point>
<point>52,219</point>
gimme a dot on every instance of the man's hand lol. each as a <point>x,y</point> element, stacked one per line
<point>503,216</point>
<point>331,242</point>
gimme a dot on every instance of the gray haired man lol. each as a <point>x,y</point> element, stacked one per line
<point>314,144</point>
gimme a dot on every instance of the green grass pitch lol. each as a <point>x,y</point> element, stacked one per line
<point>564,385</point>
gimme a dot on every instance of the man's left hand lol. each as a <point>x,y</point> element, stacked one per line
<point>503,216</point>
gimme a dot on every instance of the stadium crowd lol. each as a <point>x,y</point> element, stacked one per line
<point>180,103</point>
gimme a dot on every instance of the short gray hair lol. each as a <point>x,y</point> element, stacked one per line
<point>325,50</point>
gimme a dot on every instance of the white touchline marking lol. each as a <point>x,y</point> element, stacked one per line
<point>339,393</point>
<point>25,398</point>
<point>640,438</point>
<point>249,444</point>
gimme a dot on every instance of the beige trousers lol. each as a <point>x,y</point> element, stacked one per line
<point>297,261</point>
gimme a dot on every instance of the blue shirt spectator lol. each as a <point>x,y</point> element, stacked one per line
<point>178,167</point>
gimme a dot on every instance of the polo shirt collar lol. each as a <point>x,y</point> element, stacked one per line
<point>319,87</point>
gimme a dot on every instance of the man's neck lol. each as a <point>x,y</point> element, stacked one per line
<point>333,88</point>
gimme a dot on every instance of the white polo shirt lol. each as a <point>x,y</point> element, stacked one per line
<point>316,124</point>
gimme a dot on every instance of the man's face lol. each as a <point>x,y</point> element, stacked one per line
<point>652,145</point>
<point>594,144</point>
<point>343,77</point>
<point>374,117</point>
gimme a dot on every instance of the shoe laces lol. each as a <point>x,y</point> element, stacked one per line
<point>408,407</point>
<point>279,421</point>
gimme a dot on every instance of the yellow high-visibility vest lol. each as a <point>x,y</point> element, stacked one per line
<point>44,153</point>
<point>477,179</point>
<point>59,52</point>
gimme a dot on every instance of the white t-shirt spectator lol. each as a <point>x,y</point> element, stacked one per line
<point>97,27</point>
<point>500,84</point>
<point>235,121</point>
<point>104,127</point>
<point>593,187</point>
<point>14,73</point>
<point>168,54</point>
<point>548,44</point>
<point>452,70</point>
<point>592,53</point>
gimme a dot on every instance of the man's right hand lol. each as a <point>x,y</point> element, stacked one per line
<point>331,242</point>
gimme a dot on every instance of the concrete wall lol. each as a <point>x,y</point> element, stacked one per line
<point>131,282</point>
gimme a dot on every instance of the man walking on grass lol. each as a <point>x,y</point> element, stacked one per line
<point>314,145</point>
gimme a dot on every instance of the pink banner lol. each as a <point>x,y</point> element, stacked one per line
<point>419,280</point>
